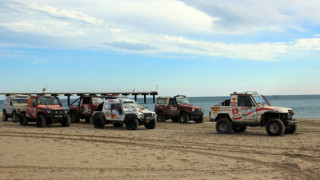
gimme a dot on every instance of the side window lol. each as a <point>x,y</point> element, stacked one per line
<point>162,101</point>
<point>244,101</point>
<point>34,104</point>
<point>86,100</point>
<point>116,108</point>
<point>76,102</point>
<point>11,101</point>
<point>172,101</point>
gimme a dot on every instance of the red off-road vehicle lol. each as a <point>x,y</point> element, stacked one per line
<point>44,110</point>
<point>84,106</point>
<point>177,108</point>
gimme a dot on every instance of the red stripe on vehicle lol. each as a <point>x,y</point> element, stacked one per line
<point>263,109</point>
<point>236,118</point>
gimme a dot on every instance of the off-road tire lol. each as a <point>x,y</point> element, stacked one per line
<point>66,122</point>
<point>224,126</point>
<point>15,117</point>
<point>132,124</point>
<point>4,116</point>
<point>99,121</point>
<point>74,118</point>
<point>87,120</point>
<point>23,120</point>
<point>117,125</point>
<point>41,121</point>
<point>291,129</point>
<point>150,124</point>
<point>184,118</point>
<point>161,117</point>
<point>275,127</point>
<point>238,128</point>
<point>199,120</point>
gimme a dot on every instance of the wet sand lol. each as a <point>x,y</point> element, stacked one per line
<point>171,151</point>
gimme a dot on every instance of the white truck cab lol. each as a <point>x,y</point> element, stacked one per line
<point>12,107</point>
<point>122,111</point>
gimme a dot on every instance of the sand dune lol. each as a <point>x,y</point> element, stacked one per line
<point>171,151</point>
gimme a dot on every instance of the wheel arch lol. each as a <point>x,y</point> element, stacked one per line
<point>223,115</point>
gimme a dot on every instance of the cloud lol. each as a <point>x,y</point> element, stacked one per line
<point>154,27</point>
<point>251,16</point>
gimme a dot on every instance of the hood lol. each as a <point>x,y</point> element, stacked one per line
<point>276,109</point>
<point>51,107</point>
<point>186,106</point>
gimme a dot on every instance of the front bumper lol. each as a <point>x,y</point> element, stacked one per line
<point>293,122</point>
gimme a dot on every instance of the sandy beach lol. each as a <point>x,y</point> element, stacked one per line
<point>171,151</point>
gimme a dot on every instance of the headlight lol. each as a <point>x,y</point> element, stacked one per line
<point>140,116</point>
<point>48,111</point>
<point>153,114</point>
<point>66,111</point>
<point>193,109</point>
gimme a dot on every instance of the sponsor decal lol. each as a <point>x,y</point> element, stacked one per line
<point>214,110</point>
<point>113,115</point>
<point>251,112</point>
<point>245,108</point>
<point>110,100</point>
<point>107,114</point>
<point>235,111</point>
<point>173,108</point>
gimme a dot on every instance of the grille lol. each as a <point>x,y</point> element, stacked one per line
<point>57,112</point>
<point>147,115</point>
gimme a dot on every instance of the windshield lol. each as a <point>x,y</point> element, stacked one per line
<point>97,100</point>
<point>48,100</point>
<point>183,101</point>
<point>20,101</point>
<point>130,105</point>
<point>260,100</point>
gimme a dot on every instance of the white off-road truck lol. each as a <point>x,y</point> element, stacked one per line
<point>12,107</point>
<point>252,109</point>
<point>123,111</point>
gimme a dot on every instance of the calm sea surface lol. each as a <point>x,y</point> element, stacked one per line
<point>304,106</point>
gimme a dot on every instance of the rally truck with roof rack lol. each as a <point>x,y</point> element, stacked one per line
<point>12,107</point>
<point>44,110</point>
<point>178,108</point>
<point>84,106</point>
<point>123,111</point>
<point>252,109</point>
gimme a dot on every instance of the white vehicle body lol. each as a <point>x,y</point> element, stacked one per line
<point>122,110</point>
<point>13,105</point>
<point>252,109</point>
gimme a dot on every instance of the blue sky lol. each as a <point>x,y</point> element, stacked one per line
<point>192,47</point>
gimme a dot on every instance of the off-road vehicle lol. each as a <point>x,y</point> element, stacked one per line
<point>123,111</point>
<point>177,108</point>
<point>44,110</point>
<point>84,106</point>
<point>251,109</point>
<point>12,107</point>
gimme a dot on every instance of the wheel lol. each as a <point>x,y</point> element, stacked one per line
<point>291,129</point>
<point>224,126</point>
<point>74,118</point>
<point>87,120</point>
<point>174,119</point>
<point>184,118</point>
<point>117,125</point>
<point>275,127</point>
<point>132,124</point>
<point>66,122</point>
<point>161,117</point>
<point>199,120</point>
<point>4,116</point>
<point>238,128</point>
<point>99,121</point>
<point>23,120</point>
<point>15,117</point>
<point>150,125</point>
<point>41,121</point>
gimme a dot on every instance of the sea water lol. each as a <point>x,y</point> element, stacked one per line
<point>304,106</point>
